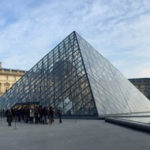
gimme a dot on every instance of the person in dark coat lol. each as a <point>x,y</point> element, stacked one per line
<point>59,113</point>
<point>41,113</point>
<point>9,117</point>
<point>36,114</point>
<point>51,113</point>
<point>45,115</point>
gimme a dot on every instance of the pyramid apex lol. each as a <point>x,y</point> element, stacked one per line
<point>75,32</point>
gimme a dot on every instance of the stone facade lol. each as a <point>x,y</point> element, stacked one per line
<point>8,77</point>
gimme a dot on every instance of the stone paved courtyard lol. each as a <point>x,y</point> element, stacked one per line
<point>72,135</point>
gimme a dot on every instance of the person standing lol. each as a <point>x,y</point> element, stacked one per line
<point>41,113</point>
<point>51,113</point>
<point>45,115</point>
<point>31,114</point>
<point>9,117</point>
<point>36,114</point>
<point>59,113</point>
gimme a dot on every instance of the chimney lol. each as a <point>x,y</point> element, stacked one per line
<point>0,64</point>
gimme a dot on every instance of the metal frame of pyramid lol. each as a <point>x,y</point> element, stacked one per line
<point>77,78</point>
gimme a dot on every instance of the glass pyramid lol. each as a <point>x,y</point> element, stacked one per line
<point>77,78</point>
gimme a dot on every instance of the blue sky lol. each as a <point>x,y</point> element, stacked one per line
<point>118,29</point>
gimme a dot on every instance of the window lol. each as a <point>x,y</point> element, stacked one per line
<point>6,86</point>
<point>14,78</point>
<point>6,77</point>
<point>0,87</point>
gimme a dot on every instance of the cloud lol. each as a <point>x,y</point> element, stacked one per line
<point>117,29</point>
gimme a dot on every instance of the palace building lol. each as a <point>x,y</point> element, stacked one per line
<point>143,84</point>
<point>8,77</point>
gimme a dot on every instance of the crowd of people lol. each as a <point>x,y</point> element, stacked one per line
<point>33,114</point>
